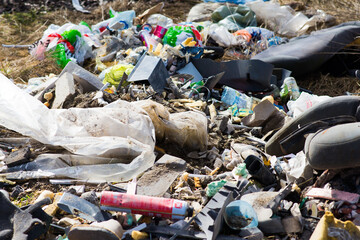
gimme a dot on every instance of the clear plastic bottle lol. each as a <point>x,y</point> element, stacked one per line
<point>290,88</point>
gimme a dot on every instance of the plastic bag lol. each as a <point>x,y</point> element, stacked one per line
<point>304,102</point>
<point>114,75</point>
<point>119,130</point>
<point>159,19</point>
<point>222,36</point>
<point>201,12</point>
<point>186,129</point>
<point>232,1</point>
<point>281,19</point>
<point>331,228</point>
<point>68,42</point>
<point>234,18</point>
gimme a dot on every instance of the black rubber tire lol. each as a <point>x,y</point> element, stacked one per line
<point>337,106</point>
<point>334,148</point>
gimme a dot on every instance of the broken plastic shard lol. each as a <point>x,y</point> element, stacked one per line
<point>82,208</point>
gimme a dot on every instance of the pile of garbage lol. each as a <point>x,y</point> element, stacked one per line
<point>164,139</point>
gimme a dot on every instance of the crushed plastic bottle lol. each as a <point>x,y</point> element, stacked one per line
<point>231,96</point>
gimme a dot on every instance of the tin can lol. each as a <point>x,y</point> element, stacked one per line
<point>145,205</point>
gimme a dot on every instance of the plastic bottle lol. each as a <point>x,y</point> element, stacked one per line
<point>144,205</point>
<point>289,89</point>
<point>147,39</point>
<point>240,214</point>
<point>231,96</point>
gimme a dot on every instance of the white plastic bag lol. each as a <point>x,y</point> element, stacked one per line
<point>159,19</point>
<point>304,102</point>
<point>119,130</point>
<point>222,36</point>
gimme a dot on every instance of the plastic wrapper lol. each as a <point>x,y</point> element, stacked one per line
<point>186,129</point>
<point>213,187</point>
<point>118,130</point>
<point>125,17</point>
<point>175,35</point>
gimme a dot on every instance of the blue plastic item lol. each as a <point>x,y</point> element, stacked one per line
<point>274,41</point>
<point>231,96</point>
<point>239,215</point>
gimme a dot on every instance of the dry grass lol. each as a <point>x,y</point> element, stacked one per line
<point>26,28</point>
<point>342,10</point>
<point>321,84</point>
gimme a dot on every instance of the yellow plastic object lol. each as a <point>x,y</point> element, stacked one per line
<point>328,225</point>
<point>137,235</point>
<point>116,72</point>
<point>189,42</point>
<point>157,50</point>
<point>197,182</point>
<point>48,96</point>
<point>269,98</point>
<point>214,171</point>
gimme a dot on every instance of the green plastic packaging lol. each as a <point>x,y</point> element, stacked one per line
<point>240,170</point>
<point>214,187</point>
<point>71,36</point>
<point>85,24</point>
<point>60,55</point>
<point>116,72</point>
<point>177,34</point>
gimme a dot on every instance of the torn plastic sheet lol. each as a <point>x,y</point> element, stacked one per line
<point>78,7</point>
<point>119,130</point>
